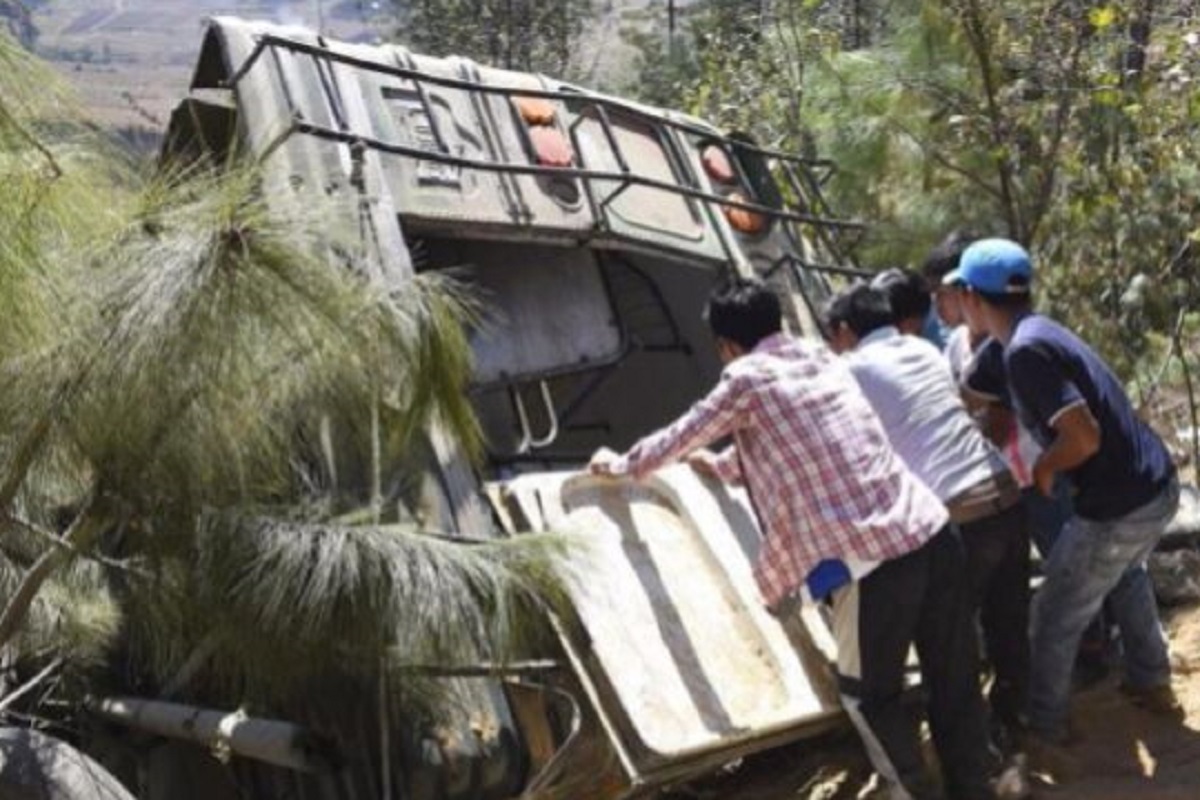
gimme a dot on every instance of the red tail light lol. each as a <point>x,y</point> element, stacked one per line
<point>717,165</point>
<point>551,147</point>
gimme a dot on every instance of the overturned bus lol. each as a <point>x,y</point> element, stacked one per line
<point>593,228</point>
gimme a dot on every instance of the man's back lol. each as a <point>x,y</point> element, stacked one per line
<point>807,415</point>
<point>814,456</point>
<point>818,464</point>
<point>909,384</point>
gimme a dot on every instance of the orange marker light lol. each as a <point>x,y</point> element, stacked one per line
<point>744,220</point>
<point>535,110</point>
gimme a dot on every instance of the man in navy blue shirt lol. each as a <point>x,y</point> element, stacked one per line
<point>1125,488</point>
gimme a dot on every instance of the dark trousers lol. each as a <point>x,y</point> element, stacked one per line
<point>918,599</point>
<point>998,569</point>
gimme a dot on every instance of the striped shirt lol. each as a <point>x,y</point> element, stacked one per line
<point>814,456</point>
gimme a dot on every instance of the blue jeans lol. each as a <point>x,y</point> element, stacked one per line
<point>1047,515</point>
<point>1091,560</point>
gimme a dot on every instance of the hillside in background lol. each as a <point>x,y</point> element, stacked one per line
<point>131,60</point>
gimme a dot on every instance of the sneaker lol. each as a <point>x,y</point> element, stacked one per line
<point>1013,781</point>
<point>1050,758</point>
<point>1160,700</point>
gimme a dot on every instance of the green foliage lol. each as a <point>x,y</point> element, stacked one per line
<point>280,600</point>
<point>526,35</point>
<point>749,67</point>
<point>214,341</point>
<point>74,617</point>
<point>1067,126</point>
<point>217,334</point>
<point>664,70</point>
<point>174,353</point>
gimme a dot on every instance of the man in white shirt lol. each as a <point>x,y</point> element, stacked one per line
<point>909,384</point>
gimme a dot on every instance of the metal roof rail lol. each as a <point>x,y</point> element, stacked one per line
<point>836,234</point>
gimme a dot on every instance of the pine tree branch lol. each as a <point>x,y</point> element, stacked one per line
<point>27,451</point>
<point>980,44</point>
<point>79,536</point>
<point>939,158</point>
<point>57,542</point>
<point>16,694</point>
<point>191,666</point>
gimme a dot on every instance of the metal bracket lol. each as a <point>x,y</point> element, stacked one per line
<point>528,440</point>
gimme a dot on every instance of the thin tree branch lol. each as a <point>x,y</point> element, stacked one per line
<point>1177,330</point>
<point>27,450</point>
<point>57,542</point>
<point>978,39</point>
<point>933,153</point>
<point>191,667</point>
<point>376,464</point>
<point>385,729</point>
<point>82,532</point>
<point>29,685</point>
<point>1050,159</point>
<point>1193,412</point>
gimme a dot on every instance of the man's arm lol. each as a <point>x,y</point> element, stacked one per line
<point>717,415</point>
<point>1076,439</point>
<point>985,392</point>
<point>725,466</point>
<point>1054,401</point>
<point>995,419</point>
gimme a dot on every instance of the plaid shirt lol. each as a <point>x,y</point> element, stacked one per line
<point>823,479</point>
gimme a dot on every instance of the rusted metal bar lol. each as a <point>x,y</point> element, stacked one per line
<point>323,132</point>
<point>268,41</point>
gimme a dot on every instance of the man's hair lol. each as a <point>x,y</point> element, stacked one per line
<point>744,311</point>
<point>907,293</point>
<point>1013,302</point>
<point>944,257</point>
<point>860,306</point>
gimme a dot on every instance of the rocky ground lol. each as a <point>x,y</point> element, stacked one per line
<point>1124,754</point>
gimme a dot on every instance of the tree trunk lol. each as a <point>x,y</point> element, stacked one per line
<point>1133,63</point>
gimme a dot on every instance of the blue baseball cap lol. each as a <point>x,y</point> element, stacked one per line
<point>994,266</point>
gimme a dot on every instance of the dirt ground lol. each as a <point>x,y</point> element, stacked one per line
<point>1124,753</point>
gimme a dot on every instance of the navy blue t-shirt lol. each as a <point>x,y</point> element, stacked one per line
<point>1050,369</point>
<point>984,373</point>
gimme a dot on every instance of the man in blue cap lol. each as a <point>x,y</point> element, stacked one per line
<point>1125,489</point>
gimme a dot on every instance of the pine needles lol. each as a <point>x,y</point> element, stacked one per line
<point>283,600</point>
<point>171,356</point>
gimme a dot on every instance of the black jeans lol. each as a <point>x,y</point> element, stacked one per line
<point>918,599</point>
<point>998,570</point>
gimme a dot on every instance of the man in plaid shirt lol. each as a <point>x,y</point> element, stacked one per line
<point>828,491</point>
